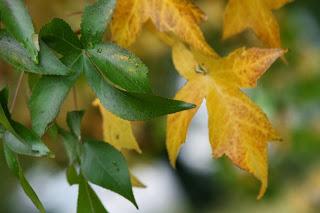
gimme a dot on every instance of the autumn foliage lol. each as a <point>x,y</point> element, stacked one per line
<point>238,128</point>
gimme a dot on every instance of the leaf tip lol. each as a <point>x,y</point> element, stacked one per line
<point>187,106</point>
<point>262,191</point>
<point>173,159</point>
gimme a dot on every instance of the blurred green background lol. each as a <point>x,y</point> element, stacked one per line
<point>289,94</point>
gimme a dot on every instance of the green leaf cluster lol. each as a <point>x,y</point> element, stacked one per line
<point>19,140</point>
<point>96,162</point>
<point>54,60</point>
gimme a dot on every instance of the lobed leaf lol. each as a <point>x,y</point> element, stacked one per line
<point>178,17</point>
<point>238,128</point>
<point>256,15</point>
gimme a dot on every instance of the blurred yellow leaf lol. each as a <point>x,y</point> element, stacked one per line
<point>180,17</point>
<point>136,182</point>
<point>237,127</point>
<point>116,131</point>
<point>256,15</point>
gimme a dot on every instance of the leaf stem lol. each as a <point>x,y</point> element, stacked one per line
<point>13,103</point>
<point>74,14</point>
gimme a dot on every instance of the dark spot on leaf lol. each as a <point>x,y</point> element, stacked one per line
<point>116,165</point>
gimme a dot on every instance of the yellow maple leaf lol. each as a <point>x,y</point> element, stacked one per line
<point>237,127</point>
<point>116,131</point>
<point>256,15</point>
<point>179,17</point>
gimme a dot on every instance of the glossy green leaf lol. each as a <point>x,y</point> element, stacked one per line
<point>88,201</point>
<point>71,145</point>
<point>49,94</point>
<point>4,121</point>
<point>24,141</point>
<point>105,72</point>
<point>5,116</point>
<point>33,79</point>
<point>13,53</point>
<point>46,100</point>
<point>74,123</point>
<point>59,36</point>
<point>18,22</point>
<point>94,22</point>
<point>105,166</point>
<point>130,106</point>
<point>14,166</point>
<point>4,97</point>
<point>121,67</point>
<point>72,175</point>
<point>19,138</point>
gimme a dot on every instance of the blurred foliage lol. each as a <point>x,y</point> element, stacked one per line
<point>289,94</point>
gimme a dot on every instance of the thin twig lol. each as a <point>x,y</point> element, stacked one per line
<point>74,14</point>
<point>13,103</point>
<point>75,98</point>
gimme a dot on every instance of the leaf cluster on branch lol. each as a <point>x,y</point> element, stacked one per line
<point>58,57</point>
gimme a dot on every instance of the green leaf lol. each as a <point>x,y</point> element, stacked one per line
<point>105,72</point>
<point>72,175</point>
<point>24,141</point>
<point>18,22</point>
<point>88,201</point>
<point>14,166</point>
<point>46,100</point>
<point>127,105</point>
<point>74,122</point>
<point>53,132</point>
<point>12,161</point>
<point>121,67</point>
<point>49,94</point>
<point>59,36</point>
<point>71,145</point>
<point>33,79</point>
<point>105,166</point>
<point>4,121</point>
<point>19,138</point>
<point>32,139</point>
<point>4,97</point>
<point>94,22</point>
<point>13,53</point>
